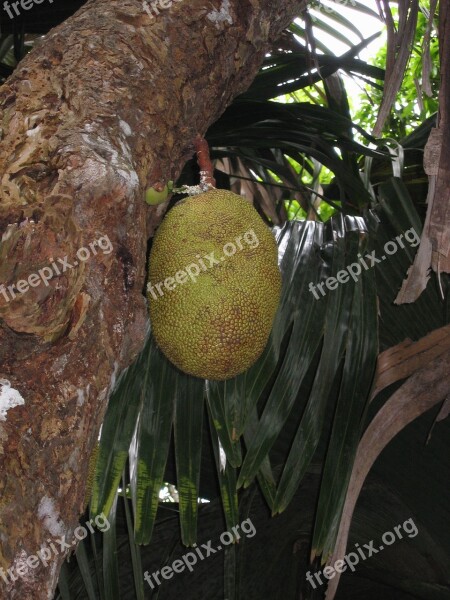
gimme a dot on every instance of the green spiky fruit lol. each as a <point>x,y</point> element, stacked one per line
<point>214,285</point>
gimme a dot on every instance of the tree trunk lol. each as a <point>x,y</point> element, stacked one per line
<point>106,106</point>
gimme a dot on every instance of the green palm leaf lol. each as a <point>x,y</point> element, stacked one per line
<point>148,461</point>
<point>118,428</point>
<point>188,427</point>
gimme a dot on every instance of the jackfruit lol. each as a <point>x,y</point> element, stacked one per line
<point>214,285</point>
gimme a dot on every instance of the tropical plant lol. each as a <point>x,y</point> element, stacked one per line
<point>298,432</point>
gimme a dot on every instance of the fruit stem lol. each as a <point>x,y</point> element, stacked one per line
<point>204,162</point>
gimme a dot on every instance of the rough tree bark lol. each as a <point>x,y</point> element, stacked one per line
<point>107,105</point>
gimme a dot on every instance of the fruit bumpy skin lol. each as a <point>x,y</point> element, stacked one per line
<point>218,325</point>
